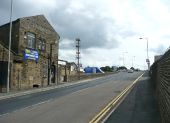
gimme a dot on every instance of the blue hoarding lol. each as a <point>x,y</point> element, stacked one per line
<point>30,54</point>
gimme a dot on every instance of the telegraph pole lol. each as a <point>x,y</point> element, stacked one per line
<point>78,56</point>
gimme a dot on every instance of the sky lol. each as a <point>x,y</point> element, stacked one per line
<point>109,30</point>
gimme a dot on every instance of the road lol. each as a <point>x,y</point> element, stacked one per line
<point>140,105</point>
<point>77,103</point>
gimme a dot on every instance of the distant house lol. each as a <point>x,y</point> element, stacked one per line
<point>34,52</point>
<point>93,70</point>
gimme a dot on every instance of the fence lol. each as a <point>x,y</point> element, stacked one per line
<point>160,76</point>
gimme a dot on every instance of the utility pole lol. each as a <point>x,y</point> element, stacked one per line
<point>78,56</point>
<point>9,49</point>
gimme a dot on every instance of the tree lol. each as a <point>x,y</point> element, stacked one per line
<point>132,68</point>
<point>122,68</point>
<point>106,69</point>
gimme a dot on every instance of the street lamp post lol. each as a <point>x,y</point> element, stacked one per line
<point>133,59</point>
<point>9,49</point>
<point>147,57</point>
<point>124,58</point>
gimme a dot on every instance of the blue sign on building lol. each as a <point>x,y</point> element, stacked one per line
<point>31,54</point>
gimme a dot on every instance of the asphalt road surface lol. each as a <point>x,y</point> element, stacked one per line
<point>77,103</point>
<point>140,106</point>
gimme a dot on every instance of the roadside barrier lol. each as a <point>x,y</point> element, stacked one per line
<point>160,76</point>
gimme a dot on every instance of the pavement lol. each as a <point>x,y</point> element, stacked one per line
<point>140,106</point>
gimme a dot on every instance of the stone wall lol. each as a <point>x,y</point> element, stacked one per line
<point>42,29</point>
<point>160,76</point>
<point>66,71</point>
<point>4,35</point>
<point>27,73</point>
<point>4,59</point>
<point>87,76</point>
<point>4,53</point>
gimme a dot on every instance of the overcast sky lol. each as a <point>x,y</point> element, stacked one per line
<point>108,29</point>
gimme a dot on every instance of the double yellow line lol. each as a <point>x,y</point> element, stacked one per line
<point>101,115</point>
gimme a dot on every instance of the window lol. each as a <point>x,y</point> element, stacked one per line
<point>30,40</point>
<point>41,44</point>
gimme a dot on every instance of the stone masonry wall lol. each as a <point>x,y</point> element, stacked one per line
<point>4,35</point>
<point>26,73</point>
<point>4,54</point>
<point>29,72</point>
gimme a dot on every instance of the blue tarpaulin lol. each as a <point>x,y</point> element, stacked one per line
<point>93,70</point>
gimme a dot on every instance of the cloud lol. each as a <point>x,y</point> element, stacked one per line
<point>85,24</point>
<point>4,11</point>
<point>128,33</point>
<point>67,44</point>
<point>71,20</point>
<point>100,24</point>
<point>23,8</point>
<point>160,49</point>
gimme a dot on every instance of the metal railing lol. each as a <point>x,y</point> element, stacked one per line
<point>160,76</point>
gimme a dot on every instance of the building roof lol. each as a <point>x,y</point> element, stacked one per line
<point>44,20</point>
<point>35,18</point>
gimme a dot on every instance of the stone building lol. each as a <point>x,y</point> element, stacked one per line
<point>66,71</point>
<point>34,53</point>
